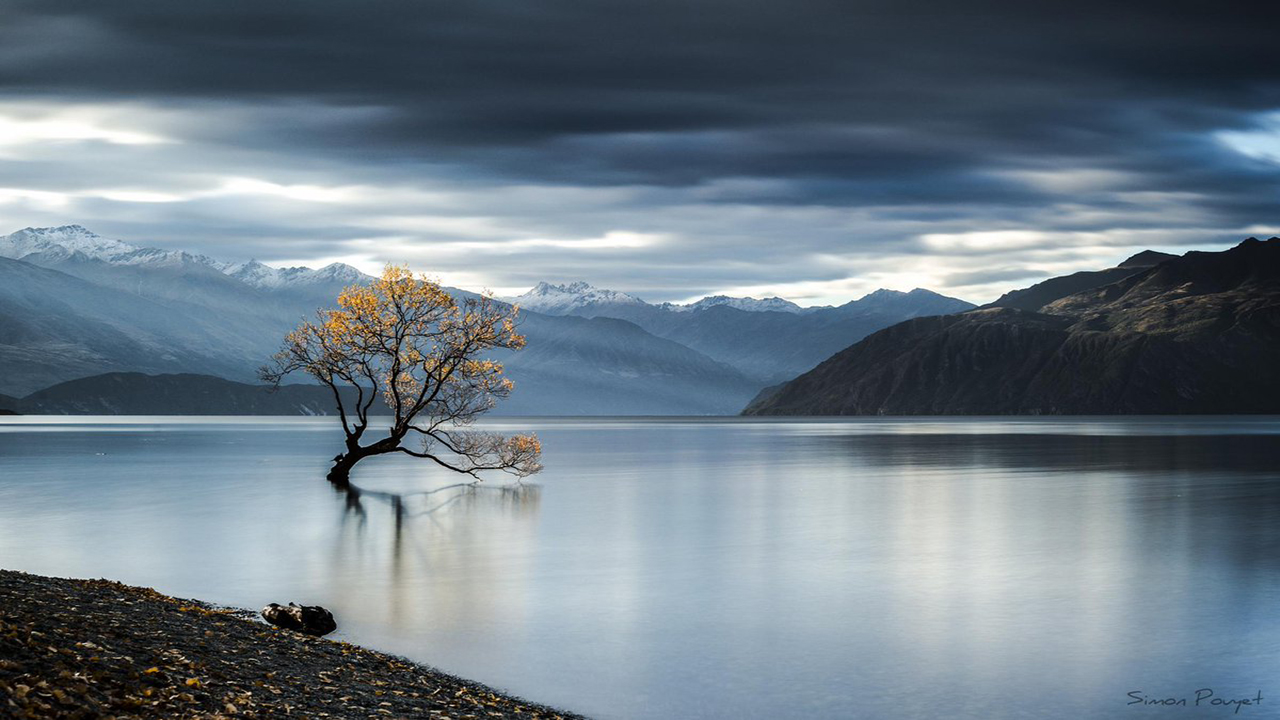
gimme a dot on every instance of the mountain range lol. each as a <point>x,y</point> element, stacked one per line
<point>75,305</point>
<point>91,325</point>
<point>768,340</point>
<point>1159,334</point>
<point>578,297</point>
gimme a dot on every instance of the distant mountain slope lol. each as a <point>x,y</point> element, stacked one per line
<point>147,309</point>
<point>54,327</point>
<point>592,366</point>
<point>175,394</point>
<point>1194,334</point>
<point>541,393</point>
<point>65,240</point>
<point>773,346</point>
<point>770,304</point>
<point>571,298</point>
<point>192,283</point>
<point>565,299</point>
<point>766,340</point>
<point>47,246</point>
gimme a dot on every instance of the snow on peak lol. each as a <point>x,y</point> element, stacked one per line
<point>341,272</point>
<point>563,299</point>
<point>566,298</point>
<point>252,272</point>
<point>265,277</point>
<point>53,244</point>
<point>775,304</point>
<point>64,240</point>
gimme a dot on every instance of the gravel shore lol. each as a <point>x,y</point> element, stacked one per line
<point>98,649</point>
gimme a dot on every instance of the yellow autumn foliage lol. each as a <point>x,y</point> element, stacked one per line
<point>406,341</point>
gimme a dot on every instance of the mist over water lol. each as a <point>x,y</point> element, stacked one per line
<point>969,568</point>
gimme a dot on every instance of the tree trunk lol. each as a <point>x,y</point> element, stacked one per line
<point>340,473</point>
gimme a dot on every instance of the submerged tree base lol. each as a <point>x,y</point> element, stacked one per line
<point>340,473</point>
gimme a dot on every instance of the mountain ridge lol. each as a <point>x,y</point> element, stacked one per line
<point>1199,333</point>
<point>1037,296</point>
<point>765,344</point>
<point>65,242</point>
<point>574,297</point>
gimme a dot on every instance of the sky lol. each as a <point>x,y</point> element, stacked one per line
<point>810,149</point>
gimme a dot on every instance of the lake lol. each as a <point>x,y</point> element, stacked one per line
<point>722,568</point>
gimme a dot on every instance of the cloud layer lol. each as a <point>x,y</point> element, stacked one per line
<point>811,149</point>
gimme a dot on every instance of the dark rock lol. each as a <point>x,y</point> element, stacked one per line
<point>310,619</point>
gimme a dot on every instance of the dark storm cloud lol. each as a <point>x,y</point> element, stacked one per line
<point>957,117</point>
<point>880,86</point>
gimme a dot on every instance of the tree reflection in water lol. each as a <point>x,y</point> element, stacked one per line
<point>408,508</point>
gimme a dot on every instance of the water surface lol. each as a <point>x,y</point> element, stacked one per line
<point>879,568</point>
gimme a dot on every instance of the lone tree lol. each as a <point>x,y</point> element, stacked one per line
<point>405,340</point>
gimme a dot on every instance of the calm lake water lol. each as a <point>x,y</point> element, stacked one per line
<point>880,568</point>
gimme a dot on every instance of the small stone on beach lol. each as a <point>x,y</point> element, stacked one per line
<point>310,619</point>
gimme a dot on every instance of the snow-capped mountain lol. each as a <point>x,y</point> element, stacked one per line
<point>771,304</point>
<point>564,299</point>
<point>54,245</point>
<point>265,277</point>
<point>768,339</point>
<point>572,298</point>
<point>61,240</point>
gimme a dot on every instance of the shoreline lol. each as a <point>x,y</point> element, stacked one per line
<point>93,648</point>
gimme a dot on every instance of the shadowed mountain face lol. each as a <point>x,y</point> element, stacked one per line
<point>1194,334</point>
<point>1041,294</point>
